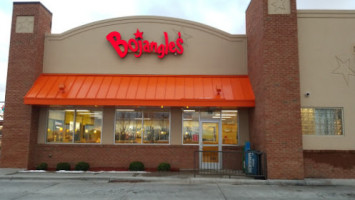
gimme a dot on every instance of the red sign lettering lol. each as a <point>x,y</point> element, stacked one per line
<point>138,45</point>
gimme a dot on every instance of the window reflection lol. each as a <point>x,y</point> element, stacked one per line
<point>88,125</point>
<point>322,121</point>
<point>128,127</point>
<point>191,127</point>
<point>60,126</point>
<point>156,127</point>
<point>229,126</point>
<point>129,123</point>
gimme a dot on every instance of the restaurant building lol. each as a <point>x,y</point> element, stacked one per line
<point>158,89</point>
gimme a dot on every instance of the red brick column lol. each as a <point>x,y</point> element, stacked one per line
<point>25,65</point>
<point>275,124</point>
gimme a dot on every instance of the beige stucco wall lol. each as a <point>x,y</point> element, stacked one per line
<point>176,126</point>
<point>327,71</point>
<point>42,125</point>
<point>85,49</point>
<point>108,126</point>
<point>243,123</point>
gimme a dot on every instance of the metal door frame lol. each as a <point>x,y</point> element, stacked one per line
<point>201,145</point>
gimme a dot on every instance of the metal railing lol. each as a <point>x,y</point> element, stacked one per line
<point>221,163</point>
<point>227,163</point>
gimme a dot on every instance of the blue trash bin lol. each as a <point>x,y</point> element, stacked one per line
<point>252,161</point>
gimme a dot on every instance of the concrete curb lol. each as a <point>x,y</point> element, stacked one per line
<point>189,179</point>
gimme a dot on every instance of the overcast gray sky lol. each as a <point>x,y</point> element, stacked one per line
<point>227,15</point>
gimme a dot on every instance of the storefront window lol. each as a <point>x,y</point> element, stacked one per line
<point>322,121</point>
<point>129,123</point>
<point>156,127</point>
<point>228,119</point>
<point>229,126</point>
<point>206,115</point>
<point>191,127</point>
<point>61,124</point>
<point>128,126</point>
<point>88,126</point>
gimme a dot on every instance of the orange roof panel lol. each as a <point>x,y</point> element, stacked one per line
<point>141,90</point>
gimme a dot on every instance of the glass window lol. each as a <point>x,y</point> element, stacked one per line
<point>128,127</point>
<point>229,126</point>
<point>129,123</point>
<point>88,125</point>
<point>156,127</point>
<point>210,132</point>
<point>206,115</point>
<point>191,127</point>
<point>322,121</point>
<point>60,126</point>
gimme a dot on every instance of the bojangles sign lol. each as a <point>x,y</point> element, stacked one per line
<point>137,45</point>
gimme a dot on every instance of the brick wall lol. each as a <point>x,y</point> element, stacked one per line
<point>275,125</point>
<point>25,65</point>
<point>107,157</point>
<point>116,156</point>
<point>329,164</point>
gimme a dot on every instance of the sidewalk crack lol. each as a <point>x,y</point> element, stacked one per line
<point>224,196</point>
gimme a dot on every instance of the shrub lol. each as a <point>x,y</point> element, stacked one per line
<point>63,166</point>
<point>82,166</point>
<point>164,167</point>
<point>42,166</point>
<point>136,166</point>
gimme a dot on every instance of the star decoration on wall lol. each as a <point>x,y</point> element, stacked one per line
<point>24,24</point>
<point>344,68</point>
<point>138,34</point>
<point>279,5</point>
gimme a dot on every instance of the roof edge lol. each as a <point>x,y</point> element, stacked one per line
<point>32,2</point>
<point>326,13</point>
<point>143,19</point>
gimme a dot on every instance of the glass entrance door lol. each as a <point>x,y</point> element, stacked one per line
<point>210,144</point>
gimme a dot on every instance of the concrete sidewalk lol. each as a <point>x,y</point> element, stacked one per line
<point>182,177</point>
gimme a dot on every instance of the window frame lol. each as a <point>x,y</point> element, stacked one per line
<point>142,110</point>
<point>221,123</point>
<point>73,140</point>
<point>333,135</point>
<point>182,127</point>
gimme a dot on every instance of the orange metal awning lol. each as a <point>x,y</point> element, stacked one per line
<point>141,90</point>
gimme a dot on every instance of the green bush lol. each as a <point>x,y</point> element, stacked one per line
<point>136,166</point>
<point>164,167</point>
<point>42,166</point>
<point>82,166</point>
<point>63,166</point>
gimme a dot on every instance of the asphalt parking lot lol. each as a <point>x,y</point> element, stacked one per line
<point>103,190</point>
